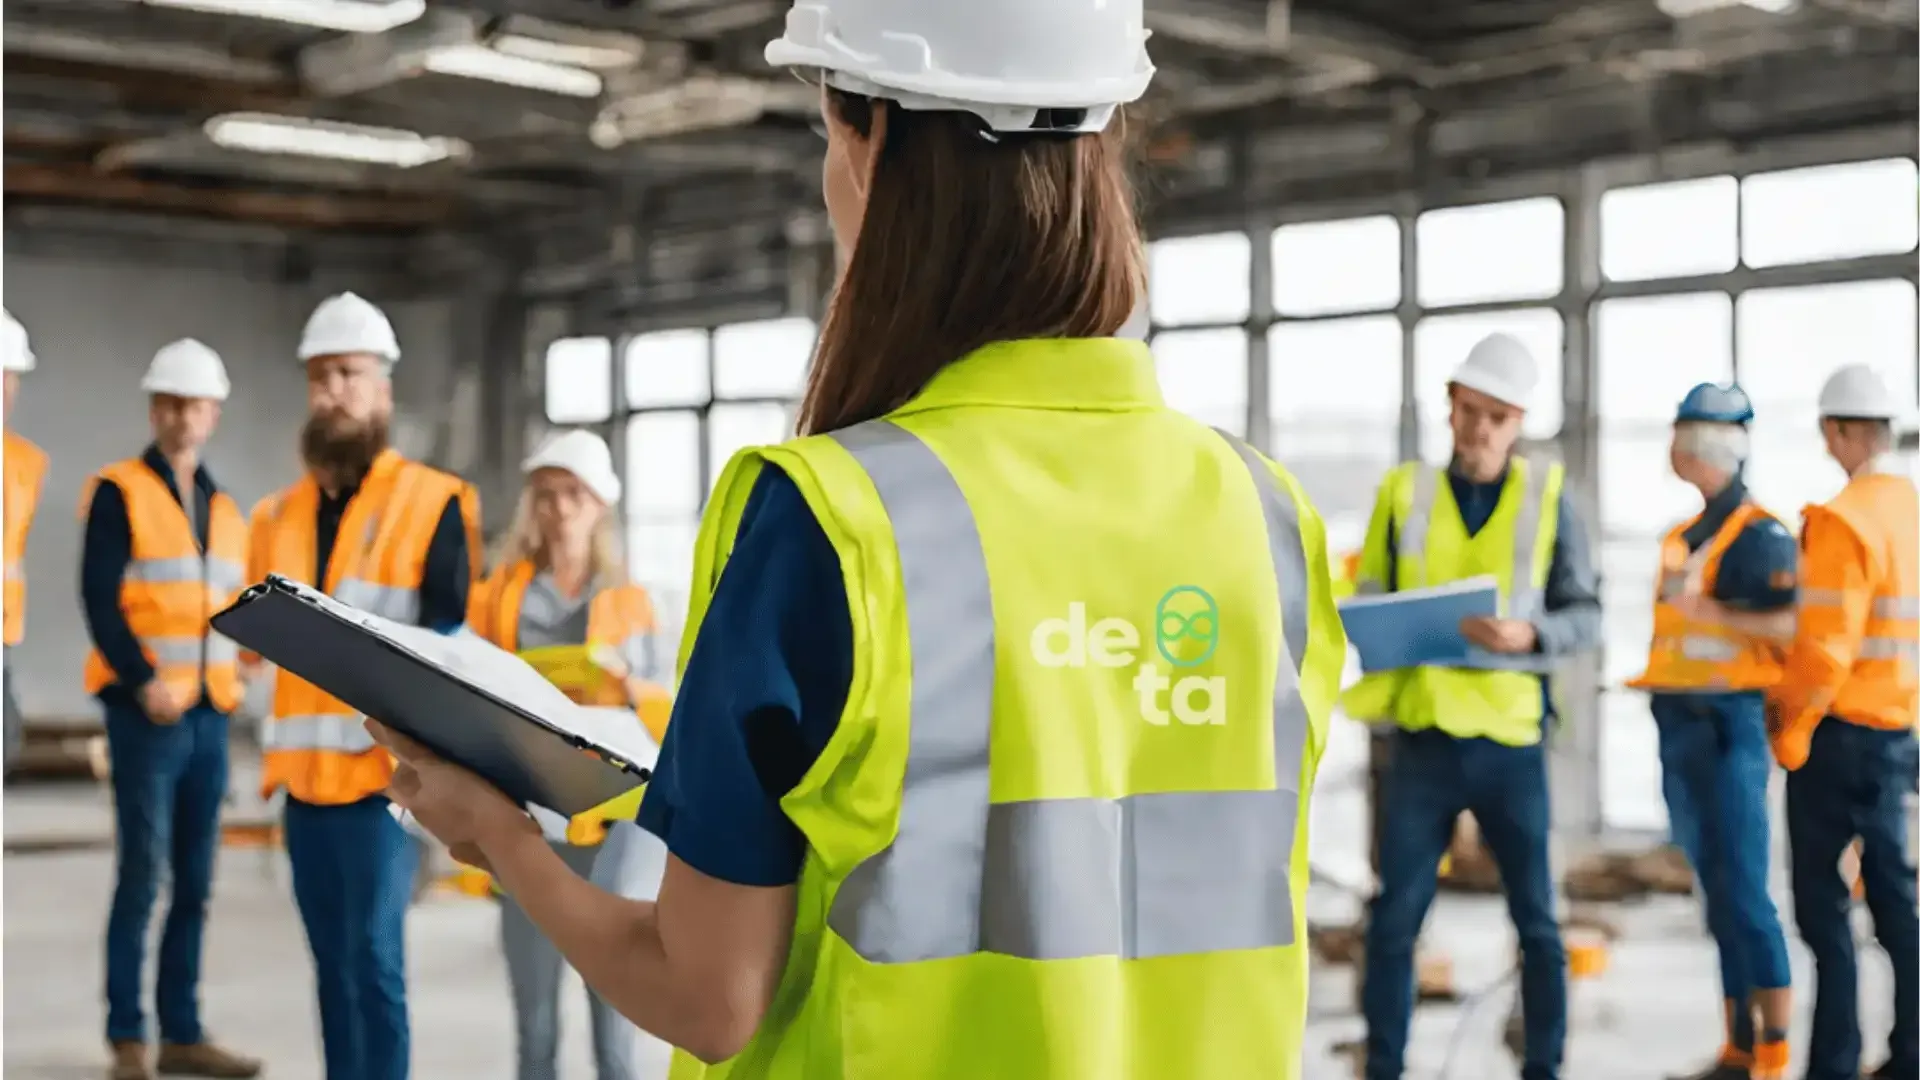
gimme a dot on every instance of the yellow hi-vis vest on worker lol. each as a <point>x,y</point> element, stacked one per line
<point>1060,831</point>
<point>171,590</point>
<point>620,617</point>
<point>1692,654</point>
<point>316,745</point>
<point>26,471</point>
<point>1431,547</point>
<point>1856,651</point>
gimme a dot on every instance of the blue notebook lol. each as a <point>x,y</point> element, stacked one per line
<point>1421,627</point>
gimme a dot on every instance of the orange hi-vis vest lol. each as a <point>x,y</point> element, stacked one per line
<point>172,588</point>
<point>316,745</point>
<point>26,469</point>
<point>620,617</point>
<point>1856,653</point>
<point>1691,654</point>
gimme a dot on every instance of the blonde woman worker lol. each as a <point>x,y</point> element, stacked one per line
<point>560,581</point>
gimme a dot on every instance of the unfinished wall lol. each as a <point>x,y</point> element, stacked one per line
<point>94,326</point>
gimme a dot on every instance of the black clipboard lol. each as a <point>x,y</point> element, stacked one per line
<point>532,760</point>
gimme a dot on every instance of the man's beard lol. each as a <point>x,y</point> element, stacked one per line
<point>342,450</point>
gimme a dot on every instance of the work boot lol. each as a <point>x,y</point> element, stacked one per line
<point>129,1062</point>
<point>1719,1070</point>
<point>205,1059</point>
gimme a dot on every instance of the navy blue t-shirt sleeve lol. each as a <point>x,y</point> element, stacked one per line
<point>1760,570</point>
<point>447,573</point>
<point>763,691</point>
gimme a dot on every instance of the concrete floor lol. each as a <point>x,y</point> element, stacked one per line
<point>1654,1010</point>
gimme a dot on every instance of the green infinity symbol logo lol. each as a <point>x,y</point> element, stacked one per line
<point>1186,626</point>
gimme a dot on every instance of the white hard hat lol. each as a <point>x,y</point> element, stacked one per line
<point>1499,366</point>
<point>583,454</point>
<point>346,324</point>
<point>187,369</point>
<point>1856,392</point>
<point>1003,60</point>
<point>16,353</point>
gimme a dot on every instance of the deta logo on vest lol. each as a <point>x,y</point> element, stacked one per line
<point>1186,634</point>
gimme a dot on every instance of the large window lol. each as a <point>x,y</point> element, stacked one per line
<point>1790,341</point>
<point>1649,353</point>
<point>1200,279</point>
<point>1336,267</point>
<point>1829,212</point>
<point>1334,400</point>
<point>579,377</point>
<point>1670,230</point>
<point>1441,342</point>
<point>1203,373</point>
<point>1494,251</point>
<point>694,398</point>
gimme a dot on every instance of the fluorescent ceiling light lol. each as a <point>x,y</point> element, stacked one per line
<point>1685,9</point>
<point>566,53</point>
<point>481,62</point>
<point>265,134</point>
<point>350,16</point>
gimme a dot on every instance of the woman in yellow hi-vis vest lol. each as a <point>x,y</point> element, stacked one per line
<point>1470,736</point>
<point>560,582</point>
<point>1004,685</point>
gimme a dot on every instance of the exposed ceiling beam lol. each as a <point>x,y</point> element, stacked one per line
<point>68,184</point>
<point>151,90</point>
<point>179,57</point>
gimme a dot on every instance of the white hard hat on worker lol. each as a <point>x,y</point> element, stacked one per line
<point>16,352</point>
<point>582,455</point>
<point>16,356</point>
<point>1488,398</point>
<point>1857,416</point>
<point>1013,63</point>
<point>185,384</point>
<point>187,369</point>
<point>349,349</point>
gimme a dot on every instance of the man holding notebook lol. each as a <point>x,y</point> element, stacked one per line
<point>398,539</point>
<point>1469,739</point>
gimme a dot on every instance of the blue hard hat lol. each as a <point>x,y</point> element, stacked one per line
<point>1713,403</point>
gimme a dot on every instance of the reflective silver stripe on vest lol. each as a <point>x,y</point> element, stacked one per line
<point>225,575</point>
<point>1140,876</point>
<point>186,651</point>
<point>1526,598</point>
<point>1887,648</point>
<point>641,653</point>
<point>1896,607</point>
<point>14,572</point>
<point>337,734</point>
<point>1704,647</point>
<point>395,602</point>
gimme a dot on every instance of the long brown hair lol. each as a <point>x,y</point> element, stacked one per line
<point>968,241</point>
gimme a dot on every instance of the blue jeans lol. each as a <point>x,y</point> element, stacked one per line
<point>353,868</point>
<point>1855,784</point>
<point>1432,777</point>
<point>1714,768</point>
<point>168,783</point>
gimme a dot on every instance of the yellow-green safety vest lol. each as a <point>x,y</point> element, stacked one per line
<point>1061,829</point>
<point>1431,547</point>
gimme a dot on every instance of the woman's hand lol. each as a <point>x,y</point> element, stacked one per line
<point>460,809</point>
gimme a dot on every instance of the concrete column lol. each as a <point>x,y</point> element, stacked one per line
<point>1578,743</point>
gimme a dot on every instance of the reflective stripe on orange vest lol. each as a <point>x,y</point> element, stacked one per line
<point>620,616</point>
<point>1856,653</point>
<point>1700,654</point>
<point>316,746</point>
<point>171,590</point>
<point>26,472</point>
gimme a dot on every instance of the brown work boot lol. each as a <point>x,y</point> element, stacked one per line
<point>205,1059</point>
<point>129,1062</point>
